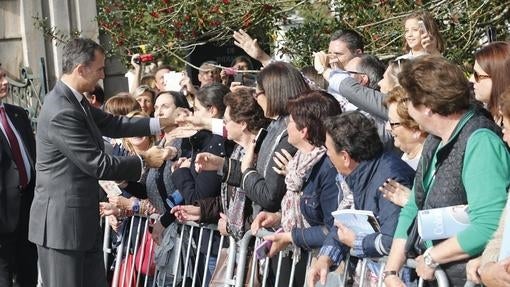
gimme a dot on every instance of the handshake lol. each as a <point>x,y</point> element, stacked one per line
<point>156,155</point>
<point>181,124</point>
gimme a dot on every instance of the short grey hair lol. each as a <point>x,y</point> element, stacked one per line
<point>79,51</point>
<point>372,67</point>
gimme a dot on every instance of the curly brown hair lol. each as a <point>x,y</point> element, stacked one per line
<point>244,108</point>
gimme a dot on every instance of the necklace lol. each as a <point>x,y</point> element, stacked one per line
<point>415,152</point>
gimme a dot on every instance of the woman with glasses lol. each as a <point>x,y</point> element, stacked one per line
<point>243,120</point>
<point>491,76</point>
<point>491,268</point>
<point>464,162</point>
<point>407,136</point>
<point>406,132</point>
<point>257,175</point>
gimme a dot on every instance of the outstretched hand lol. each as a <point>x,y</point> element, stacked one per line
<point>251,47</point>
<point>208,162</point>
<point>185,213</point>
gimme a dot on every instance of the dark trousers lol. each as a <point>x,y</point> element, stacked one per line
<point>18,258</point>
<point>285,270</point>
<point>64,268</point>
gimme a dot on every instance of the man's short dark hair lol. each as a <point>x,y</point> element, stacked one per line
<point>242,59</point>
<point>99,93</point>
<point>79,51</point>
<point>356,134</point>
<point>353,40</point>
<point>373,68</point>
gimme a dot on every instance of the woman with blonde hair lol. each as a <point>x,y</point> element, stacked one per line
<point>422,36</point>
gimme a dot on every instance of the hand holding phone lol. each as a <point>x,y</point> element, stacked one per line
<point>262,250</point>
<point>423,29</point>
<point>246,79</point>
<point>173,81</point>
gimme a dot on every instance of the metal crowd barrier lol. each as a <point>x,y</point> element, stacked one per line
<point>440,275</point>
<point>186,260</point>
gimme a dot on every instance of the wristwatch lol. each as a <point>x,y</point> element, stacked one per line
<point>429,261</point>
<point>136,206</point>
<point>388,273</point>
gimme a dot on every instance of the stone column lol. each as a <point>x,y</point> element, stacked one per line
<point>60,18</point>
<point>32,38</point>
<point>86,12</point>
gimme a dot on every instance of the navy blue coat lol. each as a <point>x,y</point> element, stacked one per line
<point>364,183</point>
<point>318,200</point>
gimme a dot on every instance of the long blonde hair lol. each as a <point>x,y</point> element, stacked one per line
<point>431,26</point>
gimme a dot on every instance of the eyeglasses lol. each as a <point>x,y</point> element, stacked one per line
<point>355,73</point>
<point>394,125</point>
<point>401,61</point>
<point>479,77</point>
<point>257,94</point>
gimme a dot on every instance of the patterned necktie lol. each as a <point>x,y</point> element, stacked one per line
<point>15,149</point>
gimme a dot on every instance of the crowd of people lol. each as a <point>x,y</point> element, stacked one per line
<point>283,152</point>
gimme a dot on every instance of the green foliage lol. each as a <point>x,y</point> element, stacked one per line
<point>173,28</point>
<point>311,36</point>
<point>462,24</point>
<point>52,32</point>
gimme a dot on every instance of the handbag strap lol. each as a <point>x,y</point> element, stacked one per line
<point>160,183</point>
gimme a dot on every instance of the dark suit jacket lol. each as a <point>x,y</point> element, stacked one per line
<point>70,160</point>
<point>14,204</point>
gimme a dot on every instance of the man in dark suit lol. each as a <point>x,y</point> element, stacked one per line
<point>64,218</point>
<point>18,257</point>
